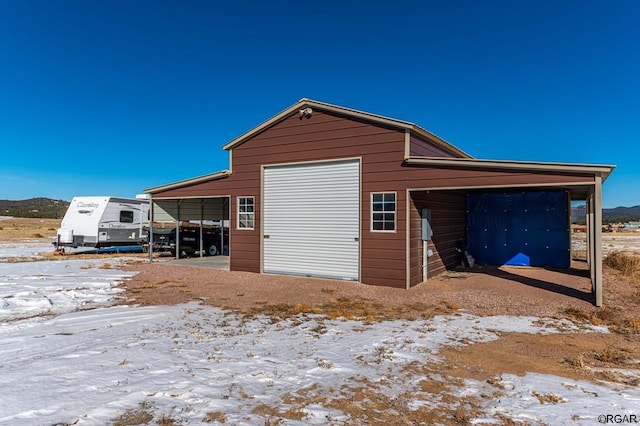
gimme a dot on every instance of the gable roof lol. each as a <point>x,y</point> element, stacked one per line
<point>349,113</point>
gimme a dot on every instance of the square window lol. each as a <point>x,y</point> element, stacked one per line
<point>126,216</point>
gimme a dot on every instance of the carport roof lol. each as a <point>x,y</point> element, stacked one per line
<point>578,191</point>
<point>187,182</point>
<point>604,170</point>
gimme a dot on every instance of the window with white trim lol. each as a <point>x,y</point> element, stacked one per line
<point>383,211</point>
<point>246,212</point>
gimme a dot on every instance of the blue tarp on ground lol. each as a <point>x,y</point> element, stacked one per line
<point>524,228</point>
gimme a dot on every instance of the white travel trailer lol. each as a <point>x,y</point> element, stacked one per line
<point>104,222</point>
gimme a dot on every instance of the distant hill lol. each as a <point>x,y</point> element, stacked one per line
<point>618,214</point>
<point>34,207</point>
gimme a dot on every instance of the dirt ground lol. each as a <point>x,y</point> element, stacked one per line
<point>483,291</point>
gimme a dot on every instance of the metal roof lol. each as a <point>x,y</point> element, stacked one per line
<point>602,169</point>
<point>187,182</point>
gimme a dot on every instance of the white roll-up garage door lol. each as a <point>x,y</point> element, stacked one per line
<point>312,219</point>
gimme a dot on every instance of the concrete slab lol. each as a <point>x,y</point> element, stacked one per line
<point>212,262</point>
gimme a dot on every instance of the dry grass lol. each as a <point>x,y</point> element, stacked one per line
<point>134,417</point>
<point>215,416</point>
<point>164,420</point>
<point>616,320</point>
<point>16,229</point>
<point>608,355</point>
<point>548,398</point>
<point>345,308</point>
<point>627,264</point>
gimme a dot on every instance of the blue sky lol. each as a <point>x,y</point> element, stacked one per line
<point>112,97</point>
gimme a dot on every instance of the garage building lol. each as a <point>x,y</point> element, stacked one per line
<point>327,191</point>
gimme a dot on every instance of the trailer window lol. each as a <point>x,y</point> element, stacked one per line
<point>126,216</point>
<point>245,212</point>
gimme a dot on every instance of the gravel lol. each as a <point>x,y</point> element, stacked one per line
<point>484,291</point>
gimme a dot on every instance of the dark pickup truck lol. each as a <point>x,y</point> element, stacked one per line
<point>164,239</point>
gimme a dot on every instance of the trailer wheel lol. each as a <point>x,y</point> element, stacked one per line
<point>213,250</point>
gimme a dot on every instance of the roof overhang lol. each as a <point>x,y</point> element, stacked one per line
<point>188,182</point>
<point>350,113</point>
<point>532,166</point>
<point>579,190</point>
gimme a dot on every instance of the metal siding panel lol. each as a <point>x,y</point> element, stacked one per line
<point>311,214</point>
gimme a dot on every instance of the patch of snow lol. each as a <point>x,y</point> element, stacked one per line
<point>23,250</point>
<point>30,289</point>
<point>547,399</point>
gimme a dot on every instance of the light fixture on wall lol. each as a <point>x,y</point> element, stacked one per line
<point>305,113</point>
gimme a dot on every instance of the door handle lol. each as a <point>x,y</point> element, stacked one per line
<point>265,236</point>
<point>356,239</point>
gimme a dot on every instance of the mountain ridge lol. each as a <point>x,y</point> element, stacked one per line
<point>614,215</point>
<point>40,207</point>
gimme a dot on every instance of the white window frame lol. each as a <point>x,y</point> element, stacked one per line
<point>395,211</point>
<point>251,214</point>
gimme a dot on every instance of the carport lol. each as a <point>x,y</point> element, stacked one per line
<point>449,212</point>
<point>199,210</point>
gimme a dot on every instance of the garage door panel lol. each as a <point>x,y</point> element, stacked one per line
<point>311,219</point>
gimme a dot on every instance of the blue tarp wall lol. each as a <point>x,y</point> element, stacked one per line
<point>524,228</point>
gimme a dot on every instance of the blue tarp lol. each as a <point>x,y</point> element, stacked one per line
<point>116,249</point>
<point>524,228</point>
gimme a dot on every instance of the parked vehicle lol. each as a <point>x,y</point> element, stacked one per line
<point>104,221</point>
<point>215,239</point>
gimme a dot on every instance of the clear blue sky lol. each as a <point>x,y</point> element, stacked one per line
<point>112,97</point>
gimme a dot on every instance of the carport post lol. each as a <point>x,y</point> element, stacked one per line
<point>178,229</point>
<point>589,231</point>
<point>150,230</point>
<point>597,240</point>
<point>201,225</point>
<point>224,201</point>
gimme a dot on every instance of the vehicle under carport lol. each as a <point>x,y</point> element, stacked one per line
<point>194,225</point>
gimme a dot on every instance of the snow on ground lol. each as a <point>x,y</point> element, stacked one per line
<point>535,398</point>
<point>610,242</point>
<point>621,243</point>
<point>29,289</point>
<point>191,362</point>
<point>23,251</point>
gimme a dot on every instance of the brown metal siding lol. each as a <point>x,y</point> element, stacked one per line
<point>448,219</point>
<point>421,148</point>
<point>324,137</point>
